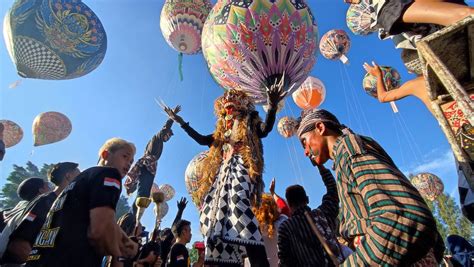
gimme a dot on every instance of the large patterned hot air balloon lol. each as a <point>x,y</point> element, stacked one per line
<point>251,44</point>
<point>334,45</point>
<point>391,79</point>
<point>181,24</point>
<point>310,94</point>
<point>287,126</point>
<point>54,39</point>
<point>429,185</point>
<point>50,127</point>
<point>360,18</point>
<point>192,176</point>
<point>12,133</point>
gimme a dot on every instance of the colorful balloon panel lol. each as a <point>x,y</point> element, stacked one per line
<point>12,133</point>
<point>54,39</point>
<point>50,127</point>
<point>192,175</point>
<point>168,190</point>
<point>287,126</point>
<point>310,94</point>
<point>154,188</point>
<point>429,185</point>
<point>334,44</point>
<point>181,24</point>
<point>161,210</point>
<point>360,18</point>
<point>248,45</point>
<point>391,79</point>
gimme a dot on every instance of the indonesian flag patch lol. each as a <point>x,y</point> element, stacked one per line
<point>180,258</point>
<point>112,182</point>
<point>30,216</point>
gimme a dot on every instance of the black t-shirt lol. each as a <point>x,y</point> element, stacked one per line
<point>31,224</point>
<point>179,256</point>
<point>63,240</point>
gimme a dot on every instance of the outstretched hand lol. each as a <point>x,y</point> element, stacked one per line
<point>173,113</point>
<point>182,203</point>
<point>276,92</point>
<point>373,70</point>
<point>272,187</point>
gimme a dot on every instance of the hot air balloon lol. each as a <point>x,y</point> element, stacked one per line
<point>361,17</point>
<point>161,210</point>
<point>54,39</point>
<point>391,78</point>
<point>310,94</point>
<point>181,24</point>
<point>50,127</point>
<point>287,126</point>
<point>249,45</point>
<point>168,190</point>
<point>12,133</point>
<point>192,176</point>
<point>154,188</point>
<point>334,45</point>
<point>429,185</point>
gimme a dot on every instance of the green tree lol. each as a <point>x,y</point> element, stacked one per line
<point>8,195</point>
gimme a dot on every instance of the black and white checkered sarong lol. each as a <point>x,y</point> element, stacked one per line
<point>226,217</point>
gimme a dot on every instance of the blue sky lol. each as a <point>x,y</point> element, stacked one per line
<point>116,99</point>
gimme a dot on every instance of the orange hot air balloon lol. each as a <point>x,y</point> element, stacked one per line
<point>310,94</point>
<point>12,133</point>
<point>50,127</point>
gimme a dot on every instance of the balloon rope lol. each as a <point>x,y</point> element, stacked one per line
<point>180,66</point>
<point>294,150</point>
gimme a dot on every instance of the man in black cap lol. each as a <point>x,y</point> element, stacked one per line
<point>23,237</point>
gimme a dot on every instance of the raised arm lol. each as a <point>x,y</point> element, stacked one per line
<point>275,94</point>
<point>330,201</point>
<point>280,202</point>
<point>155,145</point>
<point>181,206</point>
<point>205,140</point>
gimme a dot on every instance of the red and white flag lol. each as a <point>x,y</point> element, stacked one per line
<point>30,216</point>
<point>112,182</point>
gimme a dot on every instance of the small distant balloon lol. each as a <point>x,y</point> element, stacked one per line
<point>360,18</point>
<point>287,126</point>
<point>15,84</point>
<point>168,190</point>
<point>310,94</point>
<point>161,210</point>
<point>155,188</point>
<point>429,185</point>
<point>334,45</point>
<point>50,127</point>
<point>192,175</point>
<point>12,133</point>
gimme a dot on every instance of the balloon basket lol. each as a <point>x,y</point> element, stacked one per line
<point>344,59</point>
<point>394,107</point>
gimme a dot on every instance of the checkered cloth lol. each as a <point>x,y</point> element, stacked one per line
<point>226,217</point>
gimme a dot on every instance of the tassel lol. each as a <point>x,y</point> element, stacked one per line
<point>180,66</point>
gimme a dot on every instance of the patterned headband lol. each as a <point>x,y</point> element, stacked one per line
<point>310,117</point>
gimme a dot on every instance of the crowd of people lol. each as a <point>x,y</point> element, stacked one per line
<point>370,215</point>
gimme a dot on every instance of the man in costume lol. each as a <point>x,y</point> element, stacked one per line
<point>232,177</point>
<point>384,216</point>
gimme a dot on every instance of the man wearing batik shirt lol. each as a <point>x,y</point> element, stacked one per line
<point>144,171</point>
<point>384,216</point>
<point>80,227</point>
<point>23,237</point>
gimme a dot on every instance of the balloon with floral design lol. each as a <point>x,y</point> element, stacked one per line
<point>54,39</point>
<point>192,175</point>
<point>310,94</point>
<point>248,45</point>
<point>361,17</point>
<point>12,133</point>
<point>181,24</point>
<point>161,210</point>
<point>287,126</point>
<point>429,185</point>
<point>334,45</point>
<point>391,79</point>
<point>168,190</point>
<point>50,127</point>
